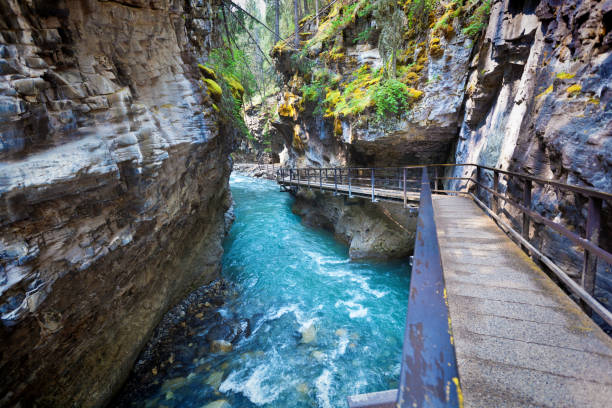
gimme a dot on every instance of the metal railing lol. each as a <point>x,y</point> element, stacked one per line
<point>401,184</point>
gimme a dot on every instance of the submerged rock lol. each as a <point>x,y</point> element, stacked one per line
<point>220,346</point>
<point>309,333</point>
<point>214,379</point>
<point>218,404</point>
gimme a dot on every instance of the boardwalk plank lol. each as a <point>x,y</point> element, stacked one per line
<point>520,340</point>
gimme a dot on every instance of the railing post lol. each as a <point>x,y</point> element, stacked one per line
<point>495,201</point>
<point>593,228</point>
<point>290,176</point>
<point>349,182</point>
<point>435,177</point>
<point>335,181</point>
<point>320,179</point>
<point>308,176</point>
<point>298,180</point>
<point>478,181</point>
<point>405,198</point>
<point>527,205</point>
<point>373,181</point>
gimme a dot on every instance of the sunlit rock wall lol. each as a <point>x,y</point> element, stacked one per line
<point>113,187</point>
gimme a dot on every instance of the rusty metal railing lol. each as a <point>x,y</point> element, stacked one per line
<point>403,184</point>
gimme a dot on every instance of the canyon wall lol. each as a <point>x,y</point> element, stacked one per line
<point>382,230</point>
<point>113,187</point>
<point>520,85</point>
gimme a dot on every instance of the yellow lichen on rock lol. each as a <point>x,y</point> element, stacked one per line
<point>574,89</point>
<point>565,75</point>
<point>546,92</point>
<point>435,49</point>
<point>414,94</point>
<point>337,127</point>
<point>235,86</point>
<point>297,142</point>
<point>287,106</point>
<point>213,88</point>
<point>207,72</point>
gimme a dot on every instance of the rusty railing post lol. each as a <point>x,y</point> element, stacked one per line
<point>478,180</point>
<point>435,177</point>
<point>495,202</point>
<point>593,228</point>
<point>320,179</point>
<point>335,181</point>
<point>290,177</point>
<point>405,198</point>
<point>373,181</point>
<point>527,205</point>
<point>349,182</point>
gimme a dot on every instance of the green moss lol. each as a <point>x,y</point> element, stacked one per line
<point>478,18</point>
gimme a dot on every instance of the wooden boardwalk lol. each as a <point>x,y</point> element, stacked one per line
<point>520,340</point>
<point>360,191</point>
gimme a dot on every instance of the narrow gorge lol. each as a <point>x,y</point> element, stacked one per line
<point>141,264</point>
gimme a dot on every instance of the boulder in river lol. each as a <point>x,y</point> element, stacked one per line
<point>309,333</point>
<point>218,404</point>
<point>220,346</point>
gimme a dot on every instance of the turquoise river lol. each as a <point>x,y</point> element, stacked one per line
<point>322,327</point>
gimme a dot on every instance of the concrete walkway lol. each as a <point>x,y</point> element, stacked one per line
<point>520,340</point>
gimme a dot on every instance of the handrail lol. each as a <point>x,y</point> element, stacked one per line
<point>383,181</point>
<point>429,375</point>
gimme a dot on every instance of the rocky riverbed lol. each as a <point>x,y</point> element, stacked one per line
<point>193,329</point>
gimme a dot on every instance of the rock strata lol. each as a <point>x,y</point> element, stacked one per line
<point>371,230</point>
<point>113,187</point>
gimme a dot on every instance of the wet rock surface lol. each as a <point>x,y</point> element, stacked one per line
<point>255,170</point>
<point>371,230</point>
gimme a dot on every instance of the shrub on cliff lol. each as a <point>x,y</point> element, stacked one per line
<point>392,97</point>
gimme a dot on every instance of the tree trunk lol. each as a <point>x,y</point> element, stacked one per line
<point>317,11</point>
<point>277,20</point>
<point>305,8</point>
<point>295,22</point>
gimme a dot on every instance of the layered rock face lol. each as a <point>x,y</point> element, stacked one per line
<point>538,103</point>
<point>372,231</point>
<point>113,187</point>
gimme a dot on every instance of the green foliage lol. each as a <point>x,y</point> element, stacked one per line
<point>478,18</point>
<point>419,13</point>
<point>230,105</point>
<point>363,36</point>
<point>391,97</point>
